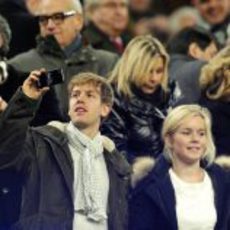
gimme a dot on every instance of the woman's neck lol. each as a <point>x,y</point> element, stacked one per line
<point>189,173</point>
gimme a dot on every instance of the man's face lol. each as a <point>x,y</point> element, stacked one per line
<point>86,108</point>
<point>213,11</point>
<point>66,30</point>
<point>112,15</point>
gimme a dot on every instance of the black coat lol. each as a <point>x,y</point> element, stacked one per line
<point>135,124</point>
<point>153,206</point>
<point>220,112</point>
<point>43,156</point>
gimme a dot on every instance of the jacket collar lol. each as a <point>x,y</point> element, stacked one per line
<point>49,46</point>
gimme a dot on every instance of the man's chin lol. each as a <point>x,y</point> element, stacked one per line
<point>80,125</point>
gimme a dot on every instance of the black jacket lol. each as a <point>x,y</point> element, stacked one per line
<point>220,112</point>
<point>135,124</point>
<point>43,156</point>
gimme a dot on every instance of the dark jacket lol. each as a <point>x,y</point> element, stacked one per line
<point>185,71</point>
<point>135,124</point>
<point>220,112</point>
<point>99,40</point>
<point>43,156</point>
<point>153,204</point>
<point>49,55</point>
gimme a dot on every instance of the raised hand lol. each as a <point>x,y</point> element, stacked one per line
<point>30,87</point>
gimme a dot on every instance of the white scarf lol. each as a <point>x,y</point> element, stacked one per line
<point>91,201</point>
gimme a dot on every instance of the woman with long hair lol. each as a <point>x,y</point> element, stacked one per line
<point>140,82</point>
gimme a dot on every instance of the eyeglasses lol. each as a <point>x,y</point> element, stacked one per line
<point>57,18</point>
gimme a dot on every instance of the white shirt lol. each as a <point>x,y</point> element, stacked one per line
<point>195,207</point>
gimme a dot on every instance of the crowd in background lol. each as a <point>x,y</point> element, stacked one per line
<point>156,55</point>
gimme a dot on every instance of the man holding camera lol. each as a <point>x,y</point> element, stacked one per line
<point>74,177</point>
<point>60,45</point>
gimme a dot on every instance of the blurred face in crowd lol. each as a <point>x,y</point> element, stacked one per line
<point>111,16</point>
<point>86,107</point>
<point>58,18</point>
<point>188,143</point>
<point>140,5</point>
<point>213,11</point>
<point>155,77</point>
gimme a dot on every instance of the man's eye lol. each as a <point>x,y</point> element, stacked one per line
<point>185,133</point>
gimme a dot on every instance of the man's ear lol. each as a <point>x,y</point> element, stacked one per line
<point>194,51</point>
<point>105,110</point>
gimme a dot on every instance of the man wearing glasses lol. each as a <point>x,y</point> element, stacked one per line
<point>60,45</point>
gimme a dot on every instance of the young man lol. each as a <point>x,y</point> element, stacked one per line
<point>74,177</point>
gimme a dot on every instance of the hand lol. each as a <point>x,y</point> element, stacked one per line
<point>3,105</point>
<point>30,88</point>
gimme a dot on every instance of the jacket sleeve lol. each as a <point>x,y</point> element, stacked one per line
<point>14,123</point>
<point>142,213</point>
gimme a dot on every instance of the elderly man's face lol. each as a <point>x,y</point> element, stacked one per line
<point>64,30</point>
<point>113,15</point>
<point>213,11</point>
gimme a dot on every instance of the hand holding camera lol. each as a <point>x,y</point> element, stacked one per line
<point>39,82</point>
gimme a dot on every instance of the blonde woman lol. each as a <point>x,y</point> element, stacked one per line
<point>139,81</point>
<point>215,86</point>
<point>185,190</point>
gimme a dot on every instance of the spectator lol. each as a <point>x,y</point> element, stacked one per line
<point>10,182</point>
<point>189,50</point>
<point>157,25</point>
<point>22,23</point>
<point>216,16</point>
<point>139,81</point>
<point>184,189</point>
<point>74,177</point>
<point>215,85</point>
<point>60,46</point>
<point>183,17</point>
<point>107,27</point>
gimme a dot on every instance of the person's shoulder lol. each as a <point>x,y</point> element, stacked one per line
<point>24,57</point>
<point>103,53</point>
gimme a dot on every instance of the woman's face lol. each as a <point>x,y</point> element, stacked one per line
<point>188,143</point>
<point>155,77</point>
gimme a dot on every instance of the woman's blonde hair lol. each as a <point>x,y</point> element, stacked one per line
<point>175,119</point>
<point>215,79</point>
<point>136,63</point>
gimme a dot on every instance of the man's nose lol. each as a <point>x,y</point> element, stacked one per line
<point>50,23</point>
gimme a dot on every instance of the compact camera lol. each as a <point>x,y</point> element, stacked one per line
<point>50,78</point>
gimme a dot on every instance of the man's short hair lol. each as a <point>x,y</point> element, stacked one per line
<point>180,42</point>
<point>97,81</point>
